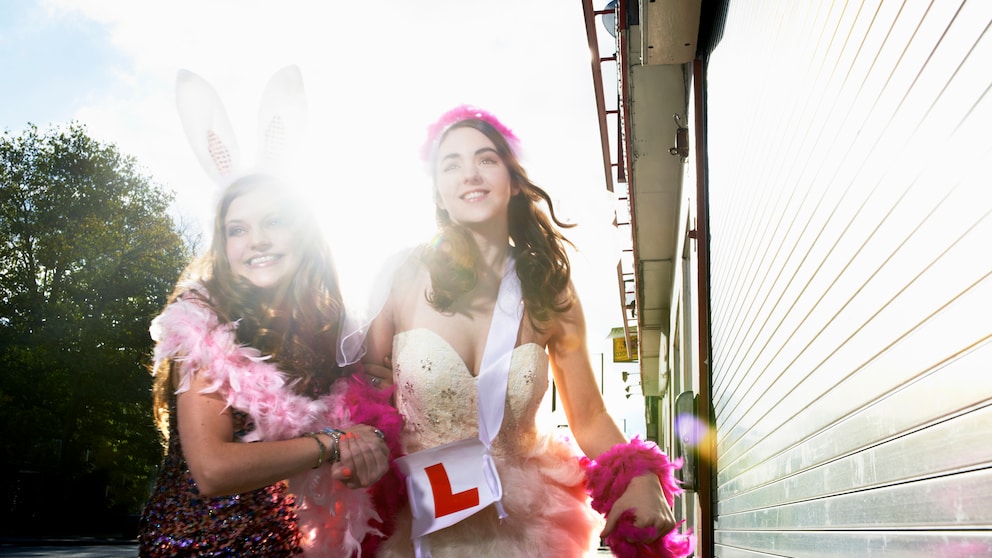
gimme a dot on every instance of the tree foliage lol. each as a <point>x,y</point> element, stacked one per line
<point>88,254</point>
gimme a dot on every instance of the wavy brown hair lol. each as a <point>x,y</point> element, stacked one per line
<point>538,244</point>
<point>296,323</point>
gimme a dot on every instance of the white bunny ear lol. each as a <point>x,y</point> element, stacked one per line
<point>208,127</point>
<point>281,118</point>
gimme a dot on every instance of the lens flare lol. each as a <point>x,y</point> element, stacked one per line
<point>689,429</point>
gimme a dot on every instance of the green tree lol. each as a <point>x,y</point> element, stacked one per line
<point>88,254</point>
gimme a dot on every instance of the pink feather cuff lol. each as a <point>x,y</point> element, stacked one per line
<point>369,405</point>
<point>607,478</point>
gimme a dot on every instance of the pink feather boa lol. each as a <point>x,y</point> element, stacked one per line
<point>334,520</point>
<point>607,478</point>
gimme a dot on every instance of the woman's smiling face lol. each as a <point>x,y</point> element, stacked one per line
<point>262,244</point>
<point>472,180</point>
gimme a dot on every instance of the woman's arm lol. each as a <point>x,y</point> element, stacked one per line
<point>594,429</point>
<point>221,466</point>
<point>394,285</point>
<point>379,347</point>
<point>377,359</point>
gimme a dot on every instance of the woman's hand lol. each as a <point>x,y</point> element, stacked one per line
<point>364,457</point>
<point>381,377</point>
<point>645,497</point>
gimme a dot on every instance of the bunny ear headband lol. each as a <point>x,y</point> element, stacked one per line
<point>282,115</point>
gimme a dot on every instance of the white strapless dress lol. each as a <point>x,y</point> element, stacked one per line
<point>543,481</point>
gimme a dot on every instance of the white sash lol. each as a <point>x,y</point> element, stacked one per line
<point>449,483</point>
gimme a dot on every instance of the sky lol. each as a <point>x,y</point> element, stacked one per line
<point>374,77</point>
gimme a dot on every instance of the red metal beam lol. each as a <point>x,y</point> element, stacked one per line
<point>597,80</point>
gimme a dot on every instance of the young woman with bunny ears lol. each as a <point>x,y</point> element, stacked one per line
<point>253,384</point>
<point>499,256</point>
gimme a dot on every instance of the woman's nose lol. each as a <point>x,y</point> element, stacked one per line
<point>471,174</point>
<point>260,239</point>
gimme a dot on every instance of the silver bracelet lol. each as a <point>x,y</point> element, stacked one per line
<point>335,435</point>
<point>320,445</point>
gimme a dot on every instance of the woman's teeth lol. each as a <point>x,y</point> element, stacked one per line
<point>262,260</point>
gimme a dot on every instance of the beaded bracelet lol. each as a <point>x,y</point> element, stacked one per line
<point>323,448</point>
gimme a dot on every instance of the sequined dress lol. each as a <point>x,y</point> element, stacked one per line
<point>331,518</point>
<point>177,521</point>
<point>543,483</point>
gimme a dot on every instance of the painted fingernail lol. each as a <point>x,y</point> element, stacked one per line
<point>346,472</point>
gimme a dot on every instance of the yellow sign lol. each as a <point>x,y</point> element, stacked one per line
<point>620,349</point>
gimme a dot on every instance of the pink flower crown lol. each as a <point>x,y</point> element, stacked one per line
<point>464,112</point>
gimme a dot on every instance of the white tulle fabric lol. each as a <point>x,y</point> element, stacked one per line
<point>333,518</point>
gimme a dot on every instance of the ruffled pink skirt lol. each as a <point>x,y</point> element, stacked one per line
<point>548,511</point>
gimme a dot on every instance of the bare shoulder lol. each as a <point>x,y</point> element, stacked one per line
<point>409,282</point>
<point>397,287</point>
<point>560,327</point>
<point>573,313</point>
<point>409,269</point>
<point>394,278</point>
<point>566,326</point>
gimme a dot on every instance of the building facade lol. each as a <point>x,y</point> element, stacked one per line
<point>809,187</point>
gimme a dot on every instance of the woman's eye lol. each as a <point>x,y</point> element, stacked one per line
<point>276,221</point>
<point>235,231</point>
<point>450,167</point>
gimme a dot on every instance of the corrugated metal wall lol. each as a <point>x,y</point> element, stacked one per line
<point>850,180</point>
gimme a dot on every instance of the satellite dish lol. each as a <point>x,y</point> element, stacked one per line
<point>610,20</point>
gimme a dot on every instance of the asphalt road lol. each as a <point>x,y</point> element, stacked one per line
<point>98,551</point>
<point>71,551</point>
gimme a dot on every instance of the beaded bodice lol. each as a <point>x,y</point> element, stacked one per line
<point>437,394</point>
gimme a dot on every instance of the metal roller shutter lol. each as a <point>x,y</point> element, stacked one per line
<point>850,183</point>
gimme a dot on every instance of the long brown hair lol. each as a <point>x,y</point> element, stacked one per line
<point>297,323</point>
<point>538,244</point>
